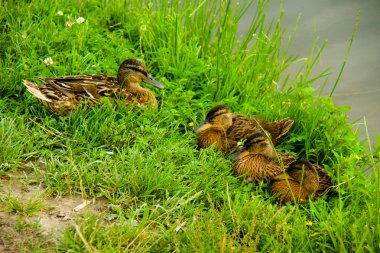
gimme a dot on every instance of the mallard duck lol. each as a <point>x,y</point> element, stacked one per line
<point>258,159</point>
<point>213,131</point>
<point>300,181</point>
<point>63,94</point>
<point>224,129</point>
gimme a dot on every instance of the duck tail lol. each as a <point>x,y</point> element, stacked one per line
<point>285,124</point>
<point>34,89</point>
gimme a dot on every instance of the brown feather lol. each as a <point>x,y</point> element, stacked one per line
<point>297,184</point>
<point>280,189</point>
<point>259,161</point>
<point>260,167</point>
<point>239,127</point>
<point>242,127</point>
<point>213,137</point>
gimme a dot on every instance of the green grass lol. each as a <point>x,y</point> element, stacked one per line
<point>21,206</point>
<point>165,195</point>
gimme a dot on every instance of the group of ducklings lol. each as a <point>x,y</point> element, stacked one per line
<point>292,180</point>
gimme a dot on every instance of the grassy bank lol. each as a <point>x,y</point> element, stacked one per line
<point>161,194</point>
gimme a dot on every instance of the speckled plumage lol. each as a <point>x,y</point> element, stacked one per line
<point>300,181</point>
<point>259,167</point>
<point>216,137</point>
<point>213,131</point>
<point>243,126</point>
<point>281,190</point>
<point>258,160</point>
<point>63,94</point>
<point>236,128</point>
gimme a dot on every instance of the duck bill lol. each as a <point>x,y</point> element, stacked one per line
<point>240,154</point>
<point>282,176</point>
<point>203,126</point>
<point>154,82</point>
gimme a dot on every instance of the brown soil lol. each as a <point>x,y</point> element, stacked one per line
<point>42,229</point>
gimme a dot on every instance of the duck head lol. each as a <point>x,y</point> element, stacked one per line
<point>132,72</point>
<point>219,116</point>
<point>256,144</point>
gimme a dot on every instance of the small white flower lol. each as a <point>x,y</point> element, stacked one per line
<point>48,61</point>
<point>60,13</point>
<point>24,35</point>
<point>80,20</point>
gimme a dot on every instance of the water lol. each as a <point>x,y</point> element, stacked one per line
<point>334,20</point>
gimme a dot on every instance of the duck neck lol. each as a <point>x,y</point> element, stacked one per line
<point>126,81</point>
<point>134,88</point>
<point>139,92</point>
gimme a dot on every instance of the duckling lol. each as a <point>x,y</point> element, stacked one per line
<point>297,184</point>
<point>243,126</point>
<point>63,94</point>
<point>259,160</point>
<point>224,129</point>
<point>213,131</point>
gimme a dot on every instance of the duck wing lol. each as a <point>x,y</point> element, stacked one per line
<point>88,86</point>
<point>43,92</point>
<point>54,99</point>
<point>278,128</point>
<point>242,127</point>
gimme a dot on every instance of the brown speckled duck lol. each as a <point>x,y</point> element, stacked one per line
<point>258,159</point>
<point>300,181</point>
<point>224,129</point>
<point>63,94</point>
<point>213,131</point>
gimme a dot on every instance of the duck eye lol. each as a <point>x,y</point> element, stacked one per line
<point>263,145</point>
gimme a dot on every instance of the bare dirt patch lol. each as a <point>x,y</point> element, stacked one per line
<point>39,228</point>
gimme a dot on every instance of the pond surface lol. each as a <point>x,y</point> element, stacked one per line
<point>334,20</point>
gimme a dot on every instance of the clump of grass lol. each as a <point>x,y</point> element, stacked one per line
<point>164,194</point>
<point>15,142</point>
<point>20,205</point>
